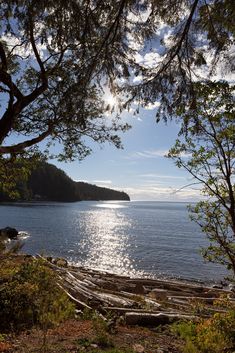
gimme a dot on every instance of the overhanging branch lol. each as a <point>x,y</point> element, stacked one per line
<point>21,146</point>
<point>176,49</point>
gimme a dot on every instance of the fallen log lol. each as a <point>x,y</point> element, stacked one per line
<point>79,304</point>
<point>121,310</point>
<point>146,319</point>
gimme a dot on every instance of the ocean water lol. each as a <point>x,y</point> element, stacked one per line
<point>129,238</point>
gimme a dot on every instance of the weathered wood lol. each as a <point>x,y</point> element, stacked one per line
<point>137,298</point>
<point>199,299</point>
<point>116,299</point>
<point>146,319</point>
<point>77,302</point>
<point>122,310</point>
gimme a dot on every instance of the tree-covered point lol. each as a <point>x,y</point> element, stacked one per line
<point>47,182</point>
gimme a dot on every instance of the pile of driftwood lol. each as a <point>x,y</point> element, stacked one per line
<point>140,301</point>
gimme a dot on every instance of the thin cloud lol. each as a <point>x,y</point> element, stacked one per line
<point>160,176</point>
<point>158,193</point>
<point>147,154</point>
<point>149,60</point>
<point>102,181</point>
<point>81,181</point>
<point>152,106</point>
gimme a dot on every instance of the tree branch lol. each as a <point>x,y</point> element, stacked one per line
<point>106,38</point>
<point>176,49</point>
<point>21,146</point>
<point>186,186</point>
<point>6,79</point>
<point>35,50</point>
<point>3,57</point>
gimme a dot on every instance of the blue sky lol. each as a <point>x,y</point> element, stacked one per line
<point>140,168</point>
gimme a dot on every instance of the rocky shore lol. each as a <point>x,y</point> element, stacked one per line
<point>138,301</point>
<point>114,314</point>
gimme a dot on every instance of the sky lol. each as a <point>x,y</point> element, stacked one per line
<point>140,168</point>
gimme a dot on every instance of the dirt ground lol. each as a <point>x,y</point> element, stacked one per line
<point>75,336</point>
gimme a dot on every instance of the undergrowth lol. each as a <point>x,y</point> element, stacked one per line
<point>212,335</point>
<point>30,296</point>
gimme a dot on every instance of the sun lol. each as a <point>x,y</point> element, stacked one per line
<point>110,100</point>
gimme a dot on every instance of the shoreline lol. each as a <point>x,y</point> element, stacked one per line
<point>141,301</point>
<point>170,250</point>
<point>222,282</point>
<point>154,277</point>
<point>137,301</point>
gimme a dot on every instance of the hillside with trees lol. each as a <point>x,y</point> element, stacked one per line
<point>47,182</point>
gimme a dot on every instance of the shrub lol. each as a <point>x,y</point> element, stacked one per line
<point>30,296</point>
<point>101,329</point>
<point>213,335</point>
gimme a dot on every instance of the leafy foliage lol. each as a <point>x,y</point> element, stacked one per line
<point>15,171</point>
<point>56,57</point>
<point>207,151</point>
<point>214,335</point>
<point>29,295</point>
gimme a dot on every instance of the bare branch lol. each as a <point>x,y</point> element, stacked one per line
<point>186,186</point>
<point>16,46</point>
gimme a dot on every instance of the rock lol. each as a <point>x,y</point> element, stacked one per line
<point>139,289</point>
<point>8,232</point>
<point>231,287</point>
<point>94,345</point>
<point>159,294</point>
<point>138,348</point>
<point>60,262</point>
<point>217,286</point>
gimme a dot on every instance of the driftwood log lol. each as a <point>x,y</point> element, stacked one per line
<point>140,301</point>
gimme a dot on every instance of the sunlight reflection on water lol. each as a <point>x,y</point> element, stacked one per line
<point>106,241</point>
<point>138,239</point>
<point>110,205</point>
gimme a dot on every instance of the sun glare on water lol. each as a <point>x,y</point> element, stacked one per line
<point>106,242</point>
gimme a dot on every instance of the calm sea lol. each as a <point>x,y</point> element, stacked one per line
<point>129,238</point>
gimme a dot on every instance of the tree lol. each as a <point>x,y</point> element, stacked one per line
<point>206,149</point>
<point>197,46</point>
<point>55,58</point>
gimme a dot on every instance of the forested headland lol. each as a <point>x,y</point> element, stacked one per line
<point>49,183</point>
